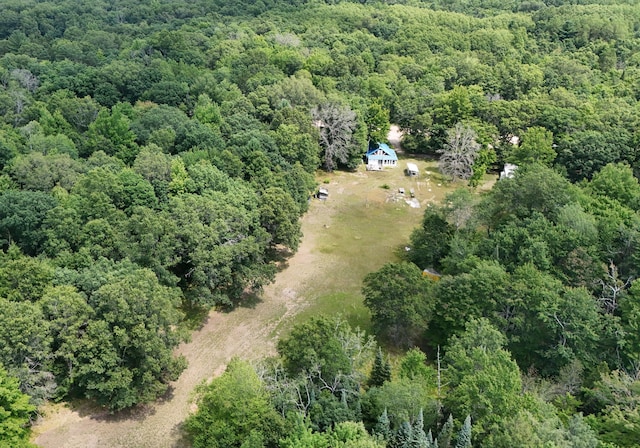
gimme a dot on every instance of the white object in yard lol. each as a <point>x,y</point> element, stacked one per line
<point>323,193</point>
<point>509,171</point>
<point>412,169</point>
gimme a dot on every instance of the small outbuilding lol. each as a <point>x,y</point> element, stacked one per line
<point>412,169</point>
<point>322,194</point>
<point>509,171</point>
<point>380,156</point>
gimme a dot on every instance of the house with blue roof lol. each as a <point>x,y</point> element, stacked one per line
<point>380,156</point>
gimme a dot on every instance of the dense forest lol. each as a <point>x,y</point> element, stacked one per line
<point>156,155</point>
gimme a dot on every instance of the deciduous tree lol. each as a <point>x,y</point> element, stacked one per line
<point>15,413</point>
<point>126,356</point>
<point>400,301</point>
<point>460,152</point>
<point>484,382</point>
<point>536,146</point>
<point>279,215</point>
<point>336,124</point>
<point>232,407</point>
<point>21,218</point>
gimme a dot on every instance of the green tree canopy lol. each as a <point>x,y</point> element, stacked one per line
<point>400,301</point>
<point>15,413</point>
<point>536,146</point>
<point>126,357</point>
<point>231,408</point>
<point>483,381</point>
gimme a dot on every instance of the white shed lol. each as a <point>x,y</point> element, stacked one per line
<point>322,194</point>
<point>412,169</point>
<point>508,171</point>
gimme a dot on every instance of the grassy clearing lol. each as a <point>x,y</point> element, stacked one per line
<point>364,224</point>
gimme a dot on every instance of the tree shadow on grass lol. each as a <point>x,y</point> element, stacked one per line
<point>136,413</point>
<point>248,300</point>
<point>88,408</point>
<point>182,440</point>
<point>195,317</point>
<point>280,256</point>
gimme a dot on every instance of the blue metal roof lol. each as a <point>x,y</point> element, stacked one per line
<point>389,154</point>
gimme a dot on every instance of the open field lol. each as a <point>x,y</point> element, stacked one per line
<point>357,230</point>
<point>369,224</point>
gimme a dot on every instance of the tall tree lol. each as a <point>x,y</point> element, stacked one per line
<point>534,189</point>
<point>22,214</point>
<point>403,399</point>
<point>383,426</point>
<point>220,245</point>
<point>68,315</point>
<point>419,438</point>
<point>400,301</point>
<point>232,407</point>
<point>404,435</point>
<point>536,146</point>
<point>615,398</point>
<point>377,120</point>
<point>463,439</point>
<point>446,433</point>
<point>126,356</point>
<point>336,124</point>
<point>616,181</point>
<point>111,133</point>
<point>25,347</point>
<point>466,296</point>
<point>460,152</point>
<point>381,370</point>
<point>413,365</point>
<point>482,162</point>
<point>328,345</point>
<point>430,243</point>
<point>484,381</point>
<point>279,216</point>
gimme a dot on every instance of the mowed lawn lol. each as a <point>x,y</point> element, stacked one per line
<point>364,224</point>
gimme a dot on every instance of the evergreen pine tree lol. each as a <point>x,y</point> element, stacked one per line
<point>430,442</point>
<point>464,436</point>
<point>357,408</point>
<point>381,371</point>
<point>383,426</point>
<point>418,436</point>
<point>404,436</point>
<point>444,437</point>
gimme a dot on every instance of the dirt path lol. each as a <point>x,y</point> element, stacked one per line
<point>395,137</point>
<point>248,332</point>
